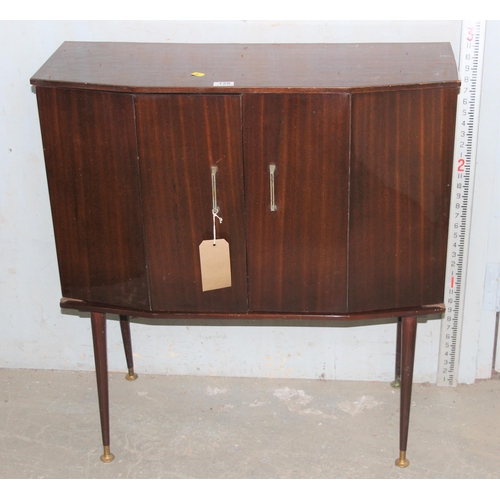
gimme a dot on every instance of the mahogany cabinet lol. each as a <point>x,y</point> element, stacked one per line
<point>326,168</point>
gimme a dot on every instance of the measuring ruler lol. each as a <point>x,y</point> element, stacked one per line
<point>464,161</point>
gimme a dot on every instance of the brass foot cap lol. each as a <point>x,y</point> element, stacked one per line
<point>402,461</point>
<point>131,376</point>
<point>396,384</point>
<point>107,456</point>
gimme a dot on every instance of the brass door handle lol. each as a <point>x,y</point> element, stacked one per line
<point>215,207</point>
<point>272,170</point>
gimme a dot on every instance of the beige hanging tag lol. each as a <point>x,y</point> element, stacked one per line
<point>215,264</point>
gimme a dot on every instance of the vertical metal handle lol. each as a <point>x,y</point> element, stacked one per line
<point>272,170</point>
<point>215,207</point>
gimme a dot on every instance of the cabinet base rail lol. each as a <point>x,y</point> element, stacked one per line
<point>405,355</point>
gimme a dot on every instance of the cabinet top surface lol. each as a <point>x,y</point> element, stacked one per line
<point>223,68</point>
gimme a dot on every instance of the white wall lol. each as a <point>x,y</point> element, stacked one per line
<point>35,333</point>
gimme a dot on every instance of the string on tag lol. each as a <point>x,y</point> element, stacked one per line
<point>214,215</point>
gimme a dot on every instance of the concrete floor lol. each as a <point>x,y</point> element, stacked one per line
<point>198,427</point>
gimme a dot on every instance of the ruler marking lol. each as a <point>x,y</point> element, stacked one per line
<point>471,52</point>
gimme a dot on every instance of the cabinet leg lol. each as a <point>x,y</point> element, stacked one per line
<point>98,321</point>
<point>397,375</point>
<point>127,344</point>
<point>408,338</point>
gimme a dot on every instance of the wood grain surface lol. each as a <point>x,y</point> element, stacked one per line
<point>180,138</point>
<point>401,166</point>
<point>297,255</point>
<point>93,177</point>
<point>168,67</point>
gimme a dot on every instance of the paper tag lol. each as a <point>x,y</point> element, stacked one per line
<point>223,84</point>
<point>215,265</point>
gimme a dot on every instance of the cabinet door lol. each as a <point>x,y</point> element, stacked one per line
<point>180,138</point>
<point>402,147</point>
<point>297,253</point>
<point>93,176</point>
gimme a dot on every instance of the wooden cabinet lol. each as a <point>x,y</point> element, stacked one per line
<point>329,166</point>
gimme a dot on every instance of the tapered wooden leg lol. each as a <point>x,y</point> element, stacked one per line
<point>408,338</point>
<point>98,321</point>
<point>127,344</point>
<point>397,375</point>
